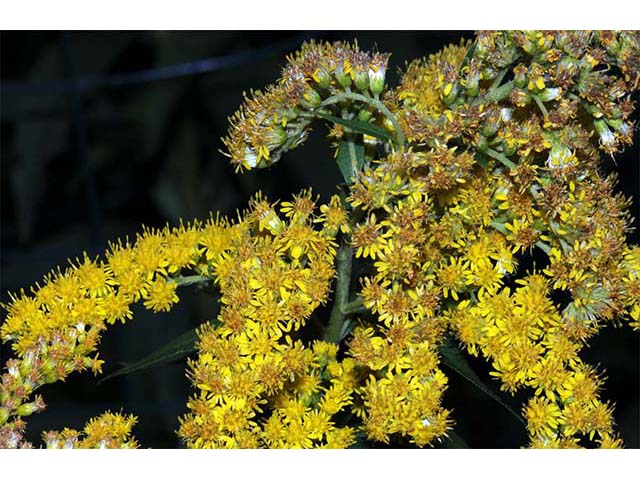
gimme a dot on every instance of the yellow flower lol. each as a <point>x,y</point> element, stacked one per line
<point>543,416</point>
<point>161,295</point>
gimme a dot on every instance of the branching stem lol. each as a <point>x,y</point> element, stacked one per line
<point>337,317</point>
<point>501,158</point>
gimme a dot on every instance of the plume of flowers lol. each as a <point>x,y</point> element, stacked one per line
<point>486,154</point>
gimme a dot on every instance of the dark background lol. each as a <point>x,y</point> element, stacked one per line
<point>102,132</point>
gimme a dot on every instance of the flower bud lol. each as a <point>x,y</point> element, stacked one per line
<point>607,137</point>
<point>489,129</point>
<point>27,409</point>
<point>560,156</point>
<point>509,149</point>
<point>276,136</point>
<point>549,94</point>
<point>481,144</point>
<point>322,78</point>
<point>520,76</point>
<point>25,366</point>
<point>364,115</point>
<point>376,80</point>
<point>472,85</point>
<point>311,99</point>
<point>489,73</point>
<point>491,124</point>
<point>450,93</point>
<point>362,80</point>
<point>343,78</point>
<point>529,42</point>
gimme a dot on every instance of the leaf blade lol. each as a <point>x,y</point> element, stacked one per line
<point>350,159</point>
<point>452,357</point>
<point>178,348</point>
<point>358,126</point>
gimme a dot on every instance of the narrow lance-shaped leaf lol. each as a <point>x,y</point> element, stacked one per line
<point>178,348</point>
<point>453,358</point>
<point>359,126</point>
<point>350,159</point>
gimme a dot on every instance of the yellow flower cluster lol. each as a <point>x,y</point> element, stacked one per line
<point>56,327</point>
<point>258,384</point>
<point>484,158</point>
<point>523,334</point>
<point>445,220</point>
<point>109,430</point>
<point>427,85</point>
<point>55,330</point>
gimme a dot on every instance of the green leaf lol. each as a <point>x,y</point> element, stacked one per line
<point>178,348</point>
<point>350,159</point>
<point>358,126</point>
<point>467,57</point>
<point>453,358</point>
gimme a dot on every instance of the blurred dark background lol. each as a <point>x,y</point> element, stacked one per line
<point>102,132</point>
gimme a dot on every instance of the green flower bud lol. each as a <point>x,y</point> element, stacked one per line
<point>560,156</point>
<point>549,94</point>
<point>376,80</point>
<point>489,73</point>
<point>51,377</point>
<point>472,87</point>
<point>27,409</point>
<point>322,77</point>
<point>520,76</point>
<point>25,367</point>
<point>344,79</point>
<point>311,99</point>
<point>362,80</point>
<point>529,43</point>
<point>489,130</point>
<point>450,93</point>
<point>482,145</point>
<point>276,136</point>
<point>364,115</point>
<point>508,150</point>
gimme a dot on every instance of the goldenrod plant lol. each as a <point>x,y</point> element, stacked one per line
<point>486,153</point>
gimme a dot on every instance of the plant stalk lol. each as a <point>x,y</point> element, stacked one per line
<point>337,317</point>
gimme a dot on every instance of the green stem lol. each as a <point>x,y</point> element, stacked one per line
<point>357,306</point>
<point>495,95</point>
<point>191,280</point>
<point>501,158</point>
<point>498,80</point>
<point>339,97</point>
<point>541,106</point>
<point>337,317</point>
